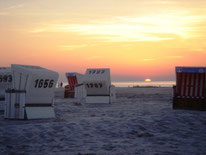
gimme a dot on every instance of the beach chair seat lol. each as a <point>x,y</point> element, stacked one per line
<point>68,91</point>
<point>80,92</point>
<point>190,89</point>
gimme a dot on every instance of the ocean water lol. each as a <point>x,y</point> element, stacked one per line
<point>143,83</point>
<point>140,83</point>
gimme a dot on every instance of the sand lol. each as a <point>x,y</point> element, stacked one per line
<point>141,121</point>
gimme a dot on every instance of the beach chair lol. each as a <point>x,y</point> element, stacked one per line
<point>75,88</point>
<point>190,89</point>
<point>32,93</point>
<point>80,92</point>
<point>98,86</point>
<point>5,83</point>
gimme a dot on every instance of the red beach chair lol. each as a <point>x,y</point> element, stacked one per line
<point>190,89</point>
<point>73,79</point>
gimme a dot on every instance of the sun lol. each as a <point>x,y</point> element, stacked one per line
<point>147,80</point>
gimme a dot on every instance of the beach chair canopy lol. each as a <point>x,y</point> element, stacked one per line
<point>73,80</point>
<point>190,81</point>
<point>39,83</point>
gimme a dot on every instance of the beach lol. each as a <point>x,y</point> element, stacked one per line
<point>141,121</point>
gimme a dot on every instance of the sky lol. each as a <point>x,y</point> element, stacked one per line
<point>136,39</point>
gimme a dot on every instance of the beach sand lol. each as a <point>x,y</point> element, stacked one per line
<point>141,121</point>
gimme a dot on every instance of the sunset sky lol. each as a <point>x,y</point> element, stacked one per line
<point>136,39</point>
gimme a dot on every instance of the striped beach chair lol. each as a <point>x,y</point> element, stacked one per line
<point>190,89</point>
<point>74,79</point>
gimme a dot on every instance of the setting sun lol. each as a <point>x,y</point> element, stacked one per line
<point>147,80</point>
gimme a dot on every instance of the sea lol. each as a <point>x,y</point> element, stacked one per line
<point>141,84</point>
<point>145,84</point>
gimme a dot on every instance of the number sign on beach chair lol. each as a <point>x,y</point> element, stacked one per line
<point>32,95</point>
<point>75,87</point>
<point>190,89</point>
<point>5,83</point>
<point>98,86</point>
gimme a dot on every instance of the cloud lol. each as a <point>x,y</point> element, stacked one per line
<point>149,59</point>
<point>71,47</point>
<point>113,32</point>
<point>94,57</point>
<point>165,2</point>
<point>4,13</point>
<point>155,27</point>
<point>201,50</point>
<point>175,57</point>
<point>37,30</point>
<point>7,11</point>
<point>162,58</point>
<point>15,6</point>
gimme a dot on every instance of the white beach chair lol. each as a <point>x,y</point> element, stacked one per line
<point>32,95</point>
<point>5,83</point>
<point>98,86</point>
